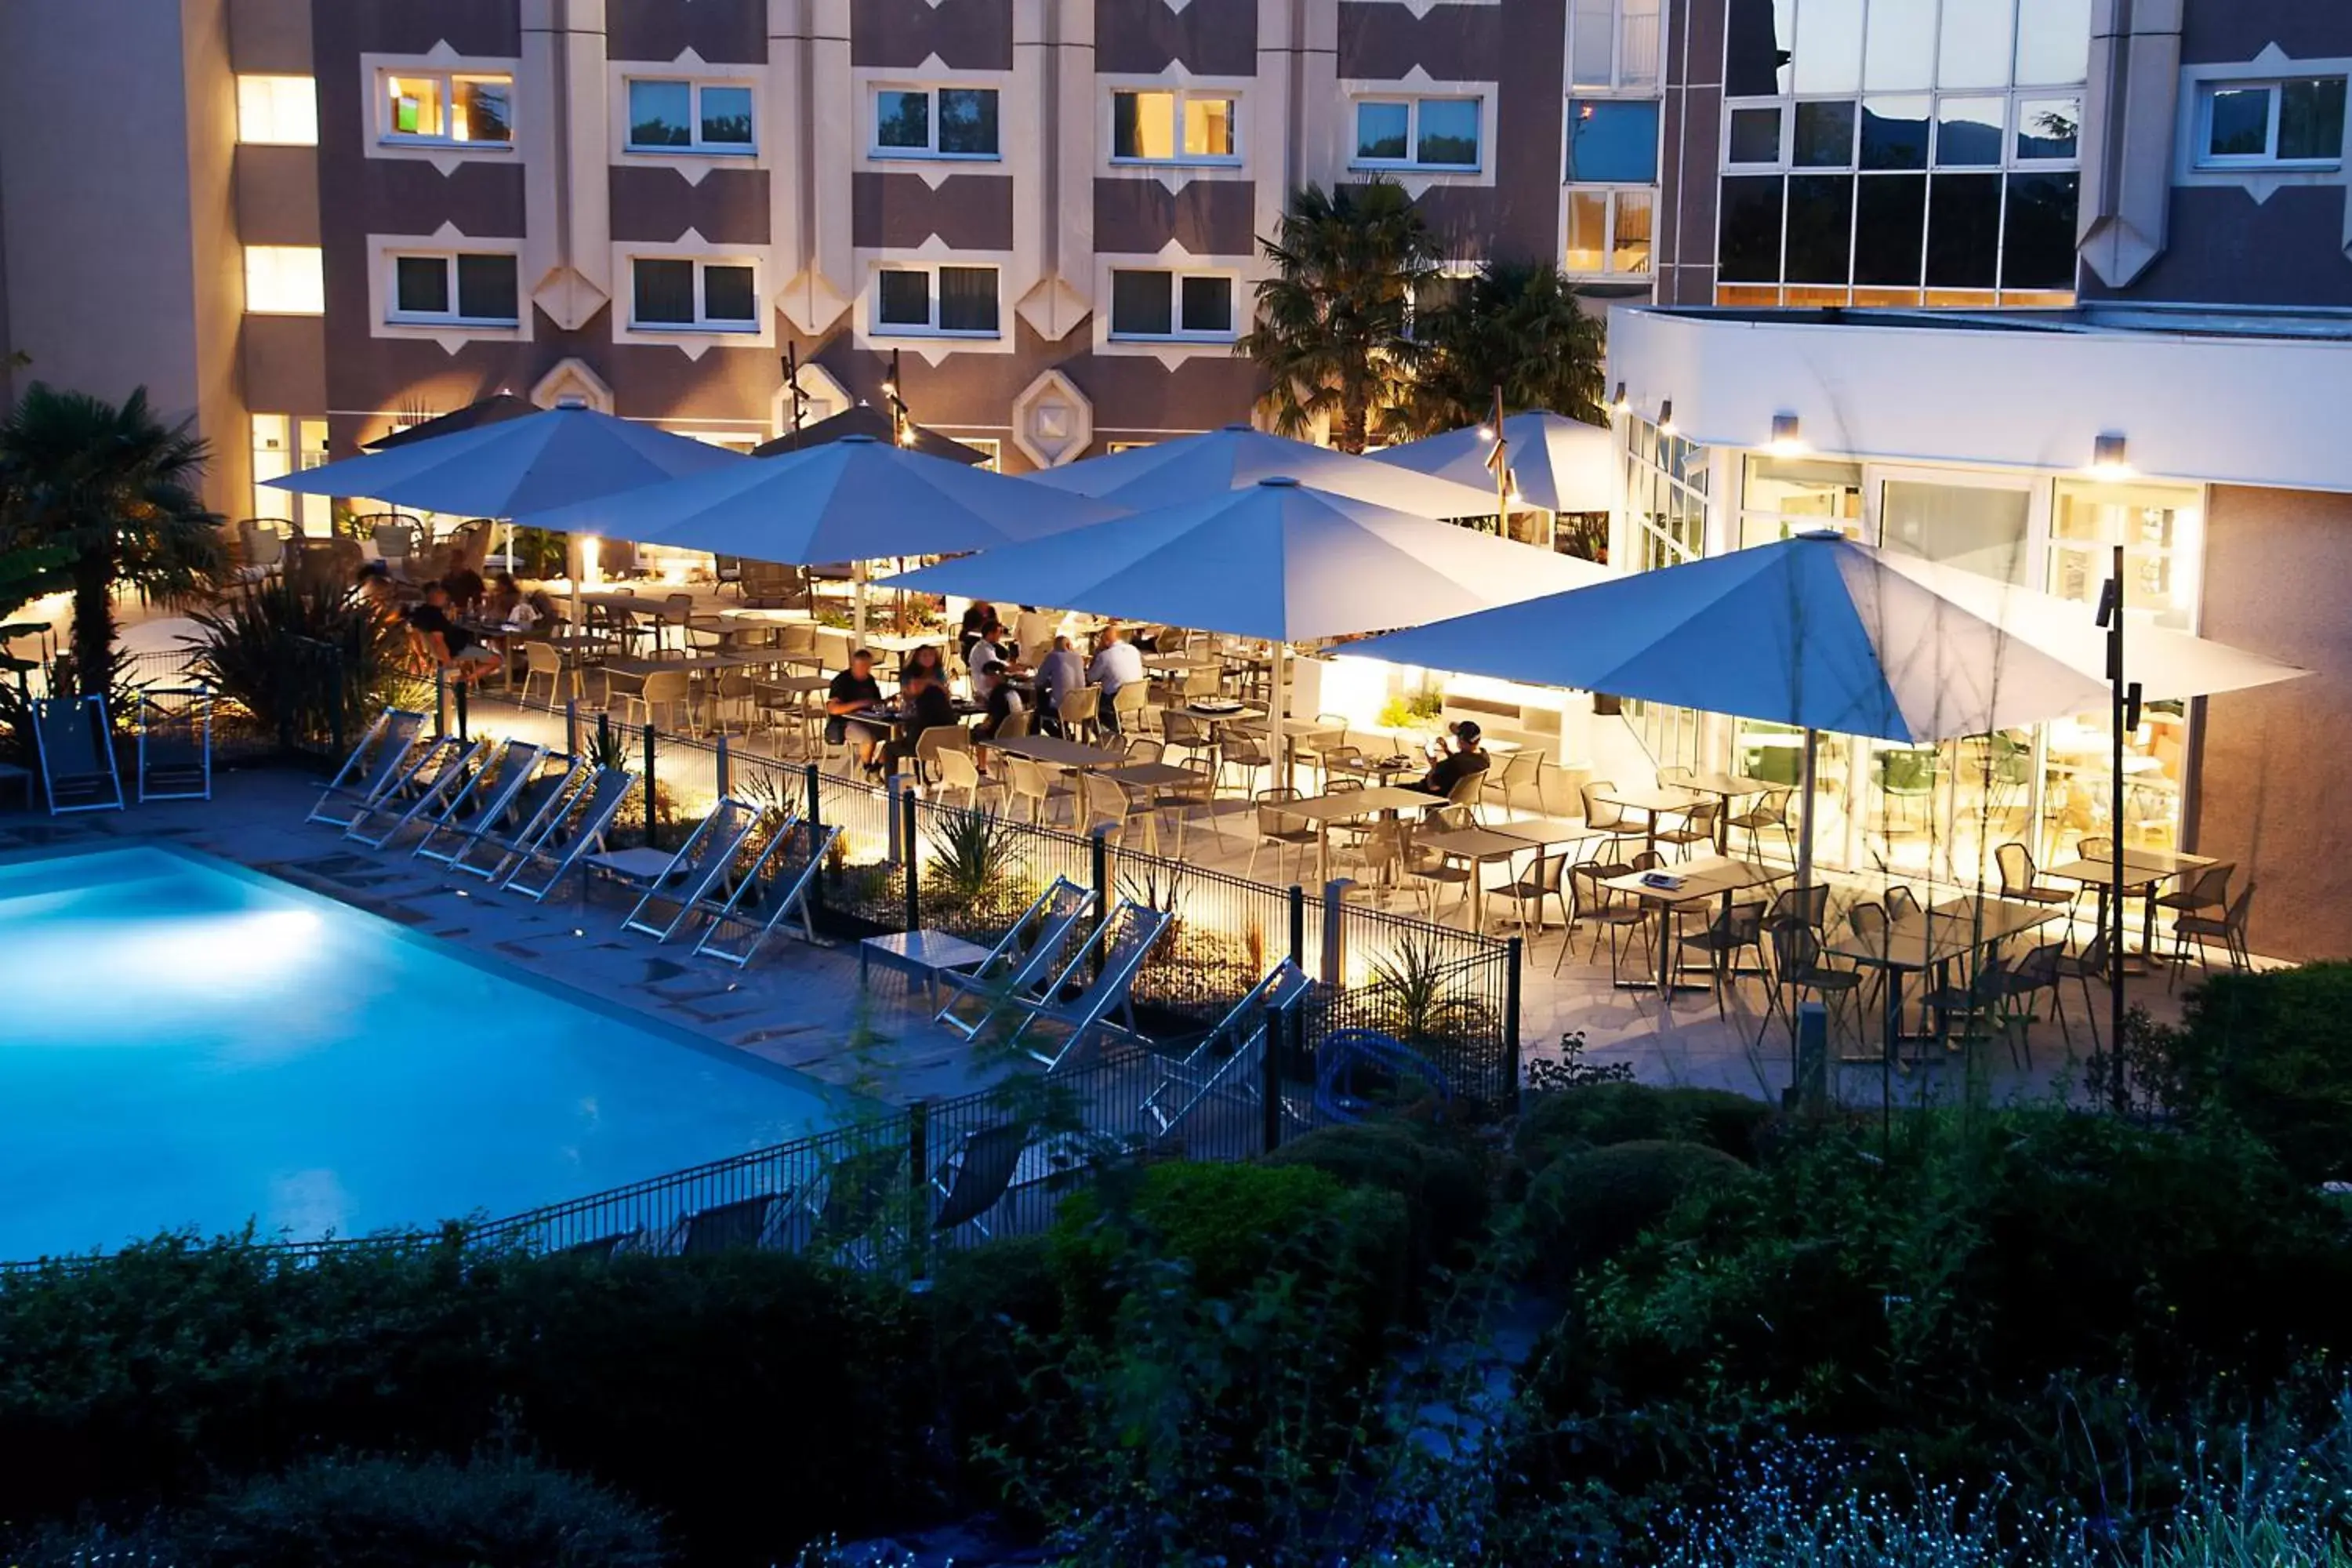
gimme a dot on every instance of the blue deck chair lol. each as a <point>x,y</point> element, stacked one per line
<point>375,767</point>
<point>776,887</point>
<point>443,772</point>
<point>77,754</point>
<point>684,879</point>
<point>570,836</point>
<point>490,851</point>
<point>1025,959</point>
<point>1077,1005</point>
<point>498,781</point>
<point>1228,1064</point>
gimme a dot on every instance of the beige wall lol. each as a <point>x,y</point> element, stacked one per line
<point>117,123</point>
<point>2274,793</point>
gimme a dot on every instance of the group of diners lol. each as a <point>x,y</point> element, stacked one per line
<point>462,623</point>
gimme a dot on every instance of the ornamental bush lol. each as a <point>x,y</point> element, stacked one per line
<point>1589,1207</point>
<point>1593,1115</point>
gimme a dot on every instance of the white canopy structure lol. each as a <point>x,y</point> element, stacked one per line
<point>1556,463</point>
<point>1196,467</point>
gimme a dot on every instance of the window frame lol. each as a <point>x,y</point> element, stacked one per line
<point>1598,100</point>
<point>1182,93</point>
<point>1177,277</point>
<point>876,152</point>
<point>1412,163</point>
<point>877,327</point>
<point>1614,193</point>
<point>393,316</point>
<point>696,147</point>
<point>447,76</point>
<point>1617,83</point>
<point>2204,159</point>
<point>703,324</point>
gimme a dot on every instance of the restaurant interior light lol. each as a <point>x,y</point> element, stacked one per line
<point>1666,417</point>
<point>1787,436</point>
<point>2110,458</point>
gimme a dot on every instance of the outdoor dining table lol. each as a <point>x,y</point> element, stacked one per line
<point>1063,753</point>
<point>1150,775</point>
<point>2143,871</point>
<point>693,664</point>
<point>1543,832</point>
<point>1726,788</point>
<point>1934,938</point>
<point>1671,891</point>
<point>1478,847</point>
<point>1653,804</point>
<point>1347,805</point>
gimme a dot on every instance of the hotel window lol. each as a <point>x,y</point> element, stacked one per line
<point>689,117</point>
<point>284,445</point>
<point>684,294</point>
<point>1183,306</point>
<point>1438,133</point>
<point>990,447</point>
<point>1168,125</point>
<point>277,110</point>
<point>1613,142</point>
<point>1608,232</point>
<point>457,108</point>
<point>935,122</point>
<point>2293,123</point>
<point>1895,152</point>
<point>285,280</point>
<point>457,291</point>
<point>935,301</point>
<point>1613,44</point>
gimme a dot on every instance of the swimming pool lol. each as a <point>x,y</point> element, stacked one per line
<point>187,1043</point>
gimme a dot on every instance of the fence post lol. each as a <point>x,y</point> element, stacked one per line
<point>440,704</point>
<point>462,735</point>
<point>918,1176</point>
<point>1098,843</point>
<point>1334,931</point>
<point>1297,925</point>
<point>653,801</point>
<point>913,848</point>
<point>894,790</point>
<point>571,726</point>
<point>1511,1026</point>
<point>719,766</point>
<point>815,827</point>
<point>1279,1021</point>
<point>603,737</point>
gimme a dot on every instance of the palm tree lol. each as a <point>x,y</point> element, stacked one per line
<point>1332,328</point>
<point>1517,326</point>
<point>114,488</point>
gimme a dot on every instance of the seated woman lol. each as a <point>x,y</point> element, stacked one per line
<point>507,606</point>
<point>927,661</point>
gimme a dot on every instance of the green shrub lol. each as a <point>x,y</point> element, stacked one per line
<point>1589,1207</point>
<point>1593,1115</point>
<point>2274,1052</point>
<point>1442,1182</point>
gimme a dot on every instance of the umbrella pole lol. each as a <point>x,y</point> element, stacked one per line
<point>858,603</point>
<point>574,559</point>
<point>1805,839</point>
<point>1281,710</point>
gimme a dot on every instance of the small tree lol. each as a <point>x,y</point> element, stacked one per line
<point>1517,326</point>
<point>114,489</point>
<point>1331,330</point>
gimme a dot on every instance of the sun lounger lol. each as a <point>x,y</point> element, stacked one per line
<point>777,886</point>
<point>175,745</point>
<point>570,834</point>
<point>855,1213</point>
<point>498,780</point>
<point>375,767</point>
<point>728,1226</point>
<point>684,879</point>
<point>1025,959</point>
<point>499,836</point>
<point>1227,1065</point>
<point>77,754</point>
<point>1077,1005</point>
<point>441,770</point>
<point>973,1179</point>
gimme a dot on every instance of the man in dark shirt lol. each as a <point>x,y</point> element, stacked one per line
<point>853,689</point>
<point>1466,760</point>
<point>925,705</point>
<point>439,639</point>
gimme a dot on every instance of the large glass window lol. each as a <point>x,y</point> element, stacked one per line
<point>459,108</point>
<point>1780,497</point>
<point>1171,126</point>
<point>2278,123</point>
<point>285,280</point>
<point>1612,141</point>
<point>1176,306</point>
<point>1978,528</point>
<point>1436,133</point>
<point>912,301</point>
<point>935,122</point>
<point>1613,44</point>
<point>687,294</point>
<point>277,110</point>
<point>1608,232</point>
<point>462,290</point>
<point>689,117</point>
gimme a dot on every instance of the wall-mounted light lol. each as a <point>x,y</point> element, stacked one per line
<point>1666,417</point>
<point>1620,402</point>
<point>1787,436</point>
<point>2110,458</point>
<point>1486,432</point>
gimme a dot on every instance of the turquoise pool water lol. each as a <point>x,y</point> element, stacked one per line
<point>183,1043</point>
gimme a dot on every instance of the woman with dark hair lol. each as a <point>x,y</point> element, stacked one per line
<point>924,660</point>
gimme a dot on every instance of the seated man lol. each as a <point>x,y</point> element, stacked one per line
<point>854,689</point>
<point>925,705</point>
<point>1118,664</point>
<point>991,663</point>
<point>1061,673</point>
<point>437,638</point>
<point>1448,769</point>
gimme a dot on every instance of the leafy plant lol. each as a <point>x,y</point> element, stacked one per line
<point>1412,710</point>
<point>300,657</point>
<point>1417,993</point>
<point>1517,326</point>
<point>1570,1070</point>
<point>974,854</point>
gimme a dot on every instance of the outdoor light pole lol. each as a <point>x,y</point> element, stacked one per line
<point>793,390</point>
<point>1499,463</point>
<point>2123,717</point>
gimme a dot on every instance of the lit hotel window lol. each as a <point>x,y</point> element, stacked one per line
<point>285,280</point>
<point>279,111</point>
<point>463,108</point>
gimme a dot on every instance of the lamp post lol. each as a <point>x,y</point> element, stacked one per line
<point>2123,717</point>
<point>1499,463</point>
<point>793,390</point>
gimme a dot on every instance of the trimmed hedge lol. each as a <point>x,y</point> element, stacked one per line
<point>1587,1207</point>
<point>1593,1116</point>
<point>2273,1052</point>
<point>1443,1184</point>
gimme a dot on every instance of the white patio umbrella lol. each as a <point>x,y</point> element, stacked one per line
<point>1196,467</point>
<point>1276,561</point>
<point>1556,463</point>
<point>854,500</point>
<point>551,458</point>
<point>1821,633</point>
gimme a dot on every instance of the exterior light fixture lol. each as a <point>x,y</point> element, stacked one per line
<point>1486,432</point>
<point>1666,417</point>
<point>1787,436</point>
<point>1620,402</point>
<point>2109,458</point>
